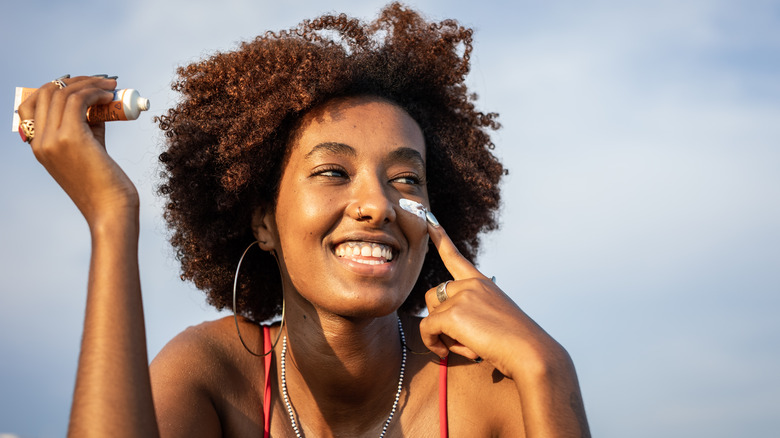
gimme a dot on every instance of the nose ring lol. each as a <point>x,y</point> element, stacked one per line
<point>360,214</point>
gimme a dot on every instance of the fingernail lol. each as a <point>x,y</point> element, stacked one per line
<point>432,219</point>
<point>112,77</point>
<point>100,76</point>
<point>63,77</point>
<point>477,360</point>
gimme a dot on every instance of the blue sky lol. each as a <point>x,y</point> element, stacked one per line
<point>641,217</point>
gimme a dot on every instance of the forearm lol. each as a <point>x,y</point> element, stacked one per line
<point>113,394</point>
<point>551,399</point>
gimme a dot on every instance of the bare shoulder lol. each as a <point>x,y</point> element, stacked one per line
<point>204,365</point>
<point>205,344</point>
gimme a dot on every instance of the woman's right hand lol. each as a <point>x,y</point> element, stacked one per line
<point>74,152</point>
<point>113,394</point>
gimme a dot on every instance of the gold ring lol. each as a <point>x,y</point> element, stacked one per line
<point>27,130</point>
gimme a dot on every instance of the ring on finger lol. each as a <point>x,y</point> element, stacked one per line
<point>441,292</point>
<point>27,130</point>
<point>59,83</point>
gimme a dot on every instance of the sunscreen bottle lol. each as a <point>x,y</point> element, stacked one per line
<point>126,105</point>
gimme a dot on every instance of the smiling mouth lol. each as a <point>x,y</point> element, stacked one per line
<point>368,253</point>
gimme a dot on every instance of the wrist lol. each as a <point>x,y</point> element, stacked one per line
<point>540,364</point>
<point>121,219</point>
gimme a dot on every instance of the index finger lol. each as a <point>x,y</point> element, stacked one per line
<point>459,266</point>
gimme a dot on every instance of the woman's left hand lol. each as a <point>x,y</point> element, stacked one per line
<point>479,320</point>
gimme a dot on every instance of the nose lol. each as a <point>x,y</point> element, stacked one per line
<point>371,202</point>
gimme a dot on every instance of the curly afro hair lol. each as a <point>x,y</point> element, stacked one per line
<point>227,140</point>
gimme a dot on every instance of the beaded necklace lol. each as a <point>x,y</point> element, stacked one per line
<point>287,403</point>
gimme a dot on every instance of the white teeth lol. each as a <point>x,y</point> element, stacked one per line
<point>354,249</point>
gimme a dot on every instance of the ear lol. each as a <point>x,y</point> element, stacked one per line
<point>264,228</point>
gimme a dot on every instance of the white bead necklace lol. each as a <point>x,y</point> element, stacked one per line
<point>287,403</point>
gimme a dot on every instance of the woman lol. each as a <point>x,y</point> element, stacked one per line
<point>304,143</point>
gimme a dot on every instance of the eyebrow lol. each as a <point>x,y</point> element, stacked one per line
<point>333,148</point>
<point>406,154</point>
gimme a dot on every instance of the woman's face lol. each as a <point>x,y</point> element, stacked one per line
<point>343,242</point>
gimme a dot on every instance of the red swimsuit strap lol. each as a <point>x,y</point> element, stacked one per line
<point>443,427</point>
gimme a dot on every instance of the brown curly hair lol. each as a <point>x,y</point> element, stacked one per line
<point>227,140</point>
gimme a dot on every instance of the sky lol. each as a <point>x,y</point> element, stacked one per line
<point>640,219</point>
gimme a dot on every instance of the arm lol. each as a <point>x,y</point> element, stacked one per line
<point>113,394</point>
<point>479,320</point>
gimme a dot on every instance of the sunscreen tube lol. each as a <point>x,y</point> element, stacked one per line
<point>126,105</point>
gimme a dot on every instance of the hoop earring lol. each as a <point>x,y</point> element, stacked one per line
<point>235,317</point>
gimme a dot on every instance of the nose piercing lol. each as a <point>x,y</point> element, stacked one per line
<point>360,215</point>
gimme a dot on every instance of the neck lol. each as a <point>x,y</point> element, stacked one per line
<point>341,372</point>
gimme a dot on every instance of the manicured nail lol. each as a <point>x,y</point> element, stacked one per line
<point>113,77</point>
<point>100,76</point>
<point>432,219</point>
<point>63,77</point>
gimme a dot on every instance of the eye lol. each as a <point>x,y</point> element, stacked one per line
<point>330,172</point>
<point>408,178</point>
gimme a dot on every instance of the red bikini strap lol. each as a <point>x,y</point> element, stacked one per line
<point>267,392</point>
<point>443,427</point>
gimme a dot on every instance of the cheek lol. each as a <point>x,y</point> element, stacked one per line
<point>303,215</point>
<point>416,232</point>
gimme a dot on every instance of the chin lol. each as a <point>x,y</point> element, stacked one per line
<point>361,306</point>
<point>368,313</point>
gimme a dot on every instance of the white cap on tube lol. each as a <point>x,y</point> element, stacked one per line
<point>143,103</point>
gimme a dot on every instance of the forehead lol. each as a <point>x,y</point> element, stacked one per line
<point>367,124</point>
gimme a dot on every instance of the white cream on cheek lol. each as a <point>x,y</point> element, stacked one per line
<point>413,207</point>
